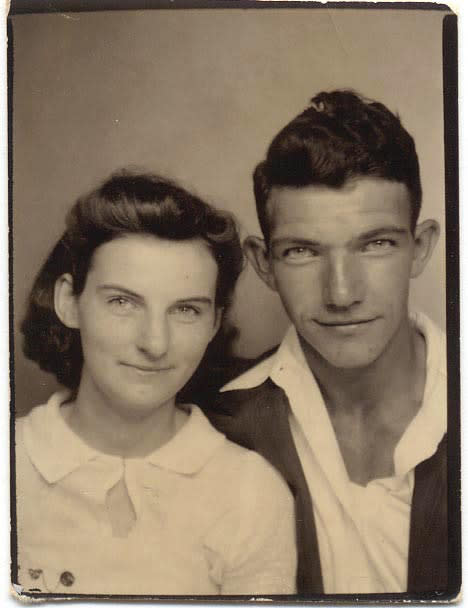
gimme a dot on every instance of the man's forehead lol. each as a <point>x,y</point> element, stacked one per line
<point>362,201</point>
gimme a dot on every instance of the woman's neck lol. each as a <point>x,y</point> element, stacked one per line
<point>106,429</point>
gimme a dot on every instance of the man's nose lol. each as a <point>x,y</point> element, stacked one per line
<point>154,336</point>
<point>343,283</point>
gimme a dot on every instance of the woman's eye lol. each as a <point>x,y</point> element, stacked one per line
<point>379,245</point>
<point>186,312</point>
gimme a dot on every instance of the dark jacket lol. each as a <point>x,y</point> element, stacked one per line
<point>257,419</point>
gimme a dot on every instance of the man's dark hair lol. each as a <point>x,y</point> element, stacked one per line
<point>126,203</point>
<point>340,136</point>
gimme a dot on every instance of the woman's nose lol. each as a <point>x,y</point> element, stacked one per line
<point>154,336</point>
<point>343,281</point>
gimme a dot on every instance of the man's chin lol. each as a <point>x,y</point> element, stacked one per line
<point>351,363</point>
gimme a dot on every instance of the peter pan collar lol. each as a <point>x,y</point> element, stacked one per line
<point>56,451</point>
<point>191,447</point>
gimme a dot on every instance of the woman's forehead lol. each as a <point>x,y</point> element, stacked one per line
<point>146,261</point>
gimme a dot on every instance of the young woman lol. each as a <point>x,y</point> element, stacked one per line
<point>120,488</point>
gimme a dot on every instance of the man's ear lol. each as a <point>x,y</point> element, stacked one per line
<point>65,301</point>
<point>426,236</point>
<point>257,253</point>
<point>218,318</point>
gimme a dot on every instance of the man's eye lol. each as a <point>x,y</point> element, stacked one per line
<point>379,245</point>
<point>298,253</point>
<point>121,304</point>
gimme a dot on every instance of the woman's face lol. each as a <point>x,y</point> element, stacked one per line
<point>146,316</point>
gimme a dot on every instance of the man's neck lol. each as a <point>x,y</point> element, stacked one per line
<point>371,407</point>
<point>398,372</point>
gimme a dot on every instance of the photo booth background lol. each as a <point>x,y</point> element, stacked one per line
<point>197,95</point>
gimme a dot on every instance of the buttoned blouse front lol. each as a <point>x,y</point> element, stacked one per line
<point>211,517</point>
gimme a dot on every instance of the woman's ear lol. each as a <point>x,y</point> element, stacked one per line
<point>426,236</point>
<point>65,301</point>
<point>256,252</point>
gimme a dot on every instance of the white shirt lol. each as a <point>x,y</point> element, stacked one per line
<point>363,532</point>
<point>211,517</point>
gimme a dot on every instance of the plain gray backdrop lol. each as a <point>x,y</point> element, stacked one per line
<point>197,95</point>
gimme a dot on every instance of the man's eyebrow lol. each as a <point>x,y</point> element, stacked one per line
<point>381,231</point>
<point>292,240</point>
<point>116,287</point>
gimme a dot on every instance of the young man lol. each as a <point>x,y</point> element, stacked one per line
<point>351,408</point>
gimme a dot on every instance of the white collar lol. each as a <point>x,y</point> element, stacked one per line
<point>431,420</point>
<point>55,450</point>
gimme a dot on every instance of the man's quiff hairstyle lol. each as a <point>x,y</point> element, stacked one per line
<point>126,203</point>
<point>340,136</point>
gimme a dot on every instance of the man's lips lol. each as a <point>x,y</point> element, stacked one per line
<point>345,323</point>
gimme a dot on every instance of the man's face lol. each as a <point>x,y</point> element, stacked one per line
<point>341,261</point>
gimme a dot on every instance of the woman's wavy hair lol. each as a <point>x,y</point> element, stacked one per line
<point>126,203</point>
<point>340,136</point>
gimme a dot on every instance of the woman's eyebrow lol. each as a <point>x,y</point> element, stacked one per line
<point>196,300</point>
<point>192,300</point>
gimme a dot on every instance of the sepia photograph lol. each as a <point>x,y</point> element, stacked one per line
<point>234,301</point>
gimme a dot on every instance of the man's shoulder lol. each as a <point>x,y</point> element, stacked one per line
<point>205,386</point>
<point>253,375</point>
<point>244,408</point>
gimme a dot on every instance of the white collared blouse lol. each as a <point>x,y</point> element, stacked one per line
<point>211,517</point>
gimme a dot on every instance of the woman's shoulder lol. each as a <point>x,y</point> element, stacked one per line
<point>254,470</point>
<point>242,467</point>
<point>33,432</point>
<point>35,416</point>
<point>39,411</point>
<point>23,427</point>
<point>26,472</point>
<point>37,419</point>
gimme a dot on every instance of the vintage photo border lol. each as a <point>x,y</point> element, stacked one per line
<point>450,88</point>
